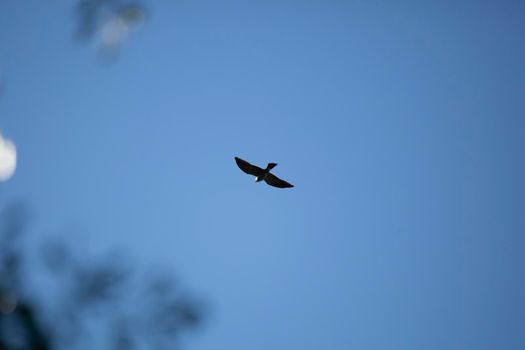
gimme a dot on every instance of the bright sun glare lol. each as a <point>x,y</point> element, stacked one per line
<point>7,158</point>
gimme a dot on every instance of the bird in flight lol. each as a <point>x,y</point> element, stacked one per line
<point>262,174</point>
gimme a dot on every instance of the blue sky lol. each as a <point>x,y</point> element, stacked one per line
<point>401,126</point>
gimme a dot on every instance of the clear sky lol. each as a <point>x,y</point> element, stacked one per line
<point>401,124</point>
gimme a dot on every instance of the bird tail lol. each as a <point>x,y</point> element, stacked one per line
<point>271,166</point>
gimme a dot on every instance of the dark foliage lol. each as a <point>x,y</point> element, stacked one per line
<point>102,304</point>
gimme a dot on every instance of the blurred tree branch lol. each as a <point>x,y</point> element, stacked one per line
<point>100,304</point>
<point>108,22</point>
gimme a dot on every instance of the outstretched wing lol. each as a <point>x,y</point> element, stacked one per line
<point>247,167</point>
<point>274,181</point>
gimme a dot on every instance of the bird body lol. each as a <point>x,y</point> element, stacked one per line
<point>265,172</point>
<point>262,174</point>
<point>260,178</point>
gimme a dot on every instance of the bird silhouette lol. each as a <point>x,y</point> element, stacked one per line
<point>262,174</point>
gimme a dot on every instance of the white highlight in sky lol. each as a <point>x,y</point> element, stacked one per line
<point>7,158</point>
<point>116,29</point>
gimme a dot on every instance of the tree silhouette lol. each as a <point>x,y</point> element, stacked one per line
<point>58,300</point>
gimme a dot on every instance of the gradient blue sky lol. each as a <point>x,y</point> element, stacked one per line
<point>401,125</point>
